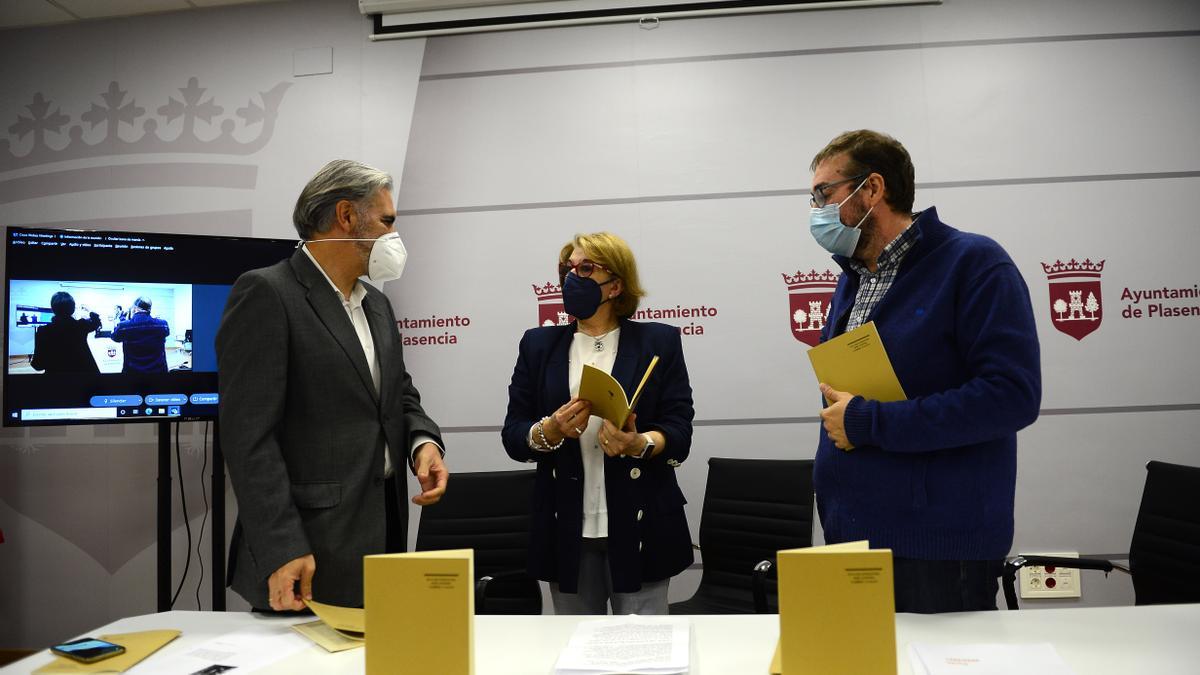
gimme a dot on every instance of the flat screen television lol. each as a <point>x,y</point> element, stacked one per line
<point>116,327</point>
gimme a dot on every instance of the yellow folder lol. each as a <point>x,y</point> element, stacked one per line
<point>857,362</point>
<point>329,639</point>
<point>837,612</point>
<point>336,629</point>
<point>606,394</point>
<point>420,612</point>
<point>137,646</point>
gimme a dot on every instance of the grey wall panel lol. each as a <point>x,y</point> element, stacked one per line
<point>1042,110</point>
<point>502,140</point>
<point>1063,108</point>
<point>643,131</point>
<point>899,27</point>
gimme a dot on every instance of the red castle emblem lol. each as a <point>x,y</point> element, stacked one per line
<point>1075,301</point>
<point>550,305</point>
<point>808,301</point>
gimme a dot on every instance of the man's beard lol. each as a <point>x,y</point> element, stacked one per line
<point>364,247</point>
<point>869,229</point>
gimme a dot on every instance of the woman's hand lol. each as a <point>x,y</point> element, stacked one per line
<point>615,442</point>
<point>569,421</point>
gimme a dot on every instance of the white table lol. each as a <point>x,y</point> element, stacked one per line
<point>1164,640</point>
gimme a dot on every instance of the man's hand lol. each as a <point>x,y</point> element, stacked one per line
<point>281,586</point>
<point>833,417</point>
<point>431,474</point>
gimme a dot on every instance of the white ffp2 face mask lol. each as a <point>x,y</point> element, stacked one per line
<point>387,259</point>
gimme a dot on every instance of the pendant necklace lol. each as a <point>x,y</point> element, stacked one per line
<point>598,340</point>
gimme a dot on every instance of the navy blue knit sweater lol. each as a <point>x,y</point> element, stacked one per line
<point>933,477</point>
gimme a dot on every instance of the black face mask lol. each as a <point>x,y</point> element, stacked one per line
<point>582,296</point>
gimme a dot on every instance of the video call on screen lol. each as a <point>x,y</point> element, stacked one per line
<point>118,326</point>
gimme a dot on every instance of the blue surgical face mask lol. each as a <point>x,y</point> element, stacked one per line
<point>825,223</point>
<point>582,296</point>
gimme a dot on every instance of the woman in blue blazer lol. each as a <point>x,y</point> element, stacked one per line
<point>608,519</point>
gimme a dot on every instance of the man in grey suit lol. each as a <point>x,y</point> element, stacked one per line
<point>317,409</point>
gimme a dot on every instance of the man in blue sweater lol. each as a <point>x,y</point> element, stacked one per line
<point>933,477</point>
<point>144,339</point>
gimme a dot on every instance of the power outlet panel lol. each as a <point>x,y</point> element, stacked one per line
<point>1050,582</point>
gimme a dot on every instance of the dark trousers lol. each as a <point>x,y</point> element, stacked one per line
<point>935,586</point>
<point>397,541</point>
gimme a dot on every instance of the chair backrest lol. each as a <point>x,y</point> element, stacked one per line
<point>1164,556</point>
<point>488,511</point>
<point>752,508</point>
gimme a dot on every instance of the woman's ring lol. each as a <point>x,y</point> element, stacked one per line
<point>578,430</point>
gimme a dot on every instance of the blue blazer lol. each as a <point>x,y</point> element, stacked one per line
<point>648,536</point>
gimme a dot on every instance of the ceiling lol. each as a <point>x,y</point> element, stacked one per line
<point>21,13</point>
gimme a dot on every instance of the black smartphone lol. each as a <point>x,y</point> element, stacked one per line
<point>87,650</point>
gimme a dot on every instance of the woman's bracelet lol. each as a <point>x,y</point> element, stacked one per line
<point>542,437</point>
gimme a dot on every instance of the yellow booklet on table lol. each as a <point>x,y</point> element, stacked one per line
<point>607,396</point>
<point>420,610</point>
<point>336,628</point>
<point>858,363</point>
<point>837,612</point>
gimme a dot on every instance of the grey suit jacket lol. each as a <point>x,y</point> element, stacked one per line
<point>303,429</point>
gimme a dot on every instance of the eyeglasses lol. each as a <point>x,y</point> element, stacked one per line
<point>820,193</point>
<point>583,268</point>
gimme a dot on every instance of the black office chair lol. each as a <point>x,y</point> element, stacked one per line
<point>752,508</point>
<point>489,512</point>
<point>1164,556</point>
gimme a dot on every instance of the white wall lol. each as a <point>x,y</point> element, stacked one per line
<point>1065,129</point>
<point>77,504</point>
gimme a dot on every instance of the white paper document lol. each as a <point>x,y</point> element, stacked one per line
<point>987,659</point>
<point>628,644</point>
<point>238,652</point>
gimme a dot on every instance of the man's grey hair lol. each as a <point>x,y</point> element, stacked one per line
<point>337,180</point>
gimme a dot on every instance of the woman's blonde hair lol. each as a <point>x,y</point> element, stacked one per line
<point>614,253</point>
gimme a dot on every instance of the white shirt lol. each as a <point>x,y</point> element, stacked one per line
<point>595,499</point>
<point>358,318</point>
